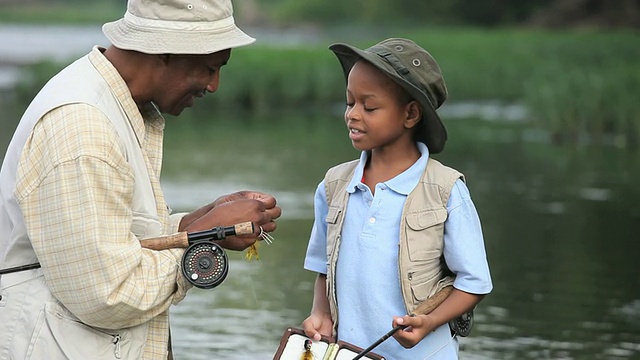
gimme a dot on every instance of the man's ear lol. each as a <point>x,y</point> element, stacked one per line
<point>414,114</point>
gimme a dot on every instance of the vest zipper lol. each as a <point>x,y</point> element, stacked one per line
<point>116,342</point>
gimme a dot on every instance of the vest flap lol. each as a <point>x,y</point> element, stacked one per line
<point>423,219</point>
<point>332,214</point>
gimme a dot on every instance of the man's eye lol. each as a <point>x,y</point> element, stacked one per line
<point>212,71</point>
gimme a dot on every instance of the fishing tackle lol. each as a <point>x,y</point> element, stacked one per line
<point>205,264</point>
<point>253,249</point>
<point>461,325</point>
<point>307,354</point>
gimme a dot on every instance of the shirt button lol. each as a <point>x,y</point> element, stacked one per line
<point>372,220</point>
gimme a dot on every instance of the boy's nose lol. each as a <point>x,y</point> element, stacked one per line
<point>351,114</point>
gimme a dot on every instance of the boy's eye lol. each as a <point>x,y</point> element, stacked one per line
<point>212,70</point>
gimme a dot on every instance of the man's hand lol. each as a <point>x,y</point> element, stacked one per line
<point>256,207</point>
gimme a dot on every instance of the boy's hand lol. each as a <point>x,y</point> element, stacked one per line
<point>316,326</point>
<point>417,327</point>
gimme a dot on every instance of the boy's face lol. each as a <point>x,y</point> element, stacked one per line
<point>379,112</point>
<point>183,78</point>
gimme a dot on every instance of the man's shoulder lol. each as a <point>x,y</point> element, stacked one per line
<point>74,130</point>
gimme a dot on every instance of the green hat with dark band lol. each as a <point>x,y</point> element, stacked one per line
<point>416,71</point>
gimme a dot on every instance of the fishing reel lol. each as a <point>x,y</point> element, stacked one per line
<point>461,326</point>
<point>205,264</point>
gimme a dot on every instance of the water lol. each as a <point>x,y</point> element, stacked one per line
<point>560,227</point>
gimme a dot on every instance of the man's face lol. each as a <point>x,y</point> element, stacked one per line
<point>182,78</point>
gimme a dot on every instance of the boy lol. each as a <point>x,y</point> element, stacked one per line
<point>395,226</point>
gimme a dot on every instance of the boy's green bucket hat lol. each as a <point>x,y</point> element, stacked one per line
<point>416,71</point>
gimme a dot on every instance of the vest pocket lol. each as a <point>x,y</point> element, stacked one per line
<point>60,335</point>
<point>424,288</point>
<point>425,234</point>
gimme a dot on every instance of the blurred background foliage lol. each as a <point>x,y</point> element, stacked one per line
<point>491,13</point>
<point>573,64</point>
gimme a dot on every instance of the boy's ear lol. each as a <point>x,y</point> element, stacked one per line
<point>414,114</point>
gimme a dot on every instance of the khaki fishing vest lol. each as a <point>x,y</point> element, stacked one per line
<point>420,262</point>
<point>65,336</point>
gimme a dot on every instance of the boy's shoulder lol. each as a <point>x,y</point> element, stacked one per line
<point>440,173</point>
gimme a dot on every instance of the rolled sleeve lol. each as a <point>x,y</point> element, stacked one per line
<point>175,220</point>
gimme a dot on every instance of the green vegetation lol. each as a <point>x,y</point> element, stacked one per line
<point>81,12</point>
<point>577,85</point>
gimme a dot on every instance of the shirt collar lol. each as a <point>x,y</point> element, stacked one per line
<point>404,183</point>
<point>138,116</point>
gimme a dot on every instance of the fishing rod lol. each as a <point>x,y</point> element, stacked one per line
<point>204,263</point>
<point>424,308</point>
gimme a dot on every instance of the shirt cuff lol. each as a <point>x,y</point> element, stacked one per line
<point>175,220</point>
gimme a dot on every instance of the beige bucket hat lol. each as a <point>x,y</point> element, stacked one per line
<point>416,71</point>
<point>177,27</point>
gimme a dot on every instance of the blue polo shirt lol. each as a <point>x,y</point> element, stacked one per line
<point>367,279</point>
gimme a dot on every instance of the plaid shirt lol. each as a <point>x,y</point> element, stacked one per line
<point>75,188</point>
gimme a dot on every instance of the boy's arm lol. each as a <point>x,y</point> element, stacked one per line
<point>319,323</point>
<point>418,327</point>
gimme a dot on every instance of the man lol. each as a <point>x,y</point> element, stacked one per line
<point>79,187</point>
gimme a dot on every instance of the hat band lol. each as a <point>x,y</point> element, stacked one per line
<point>179,25</point>
<point>402,71</point>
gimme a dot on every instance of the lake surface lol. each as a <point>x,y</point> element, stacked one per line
<point>560,226</point>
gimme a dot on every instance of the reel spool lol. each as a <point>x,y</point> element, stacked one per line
<point>205,264</point>
<point>462,325</point>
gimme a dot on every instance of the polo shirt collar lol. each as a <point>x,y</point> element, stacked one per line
<point>404,183</point>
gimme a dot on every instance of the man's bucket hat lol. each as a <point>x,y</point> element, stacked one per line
<point>416,71</point>
<point>177,27</point>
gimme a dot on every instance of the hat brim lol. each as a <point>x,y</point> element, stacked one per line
<point>125,36</point>
<point>430,130</point>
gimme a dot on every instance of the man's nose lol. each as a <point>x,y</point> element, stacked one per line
<point>212,86</point>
